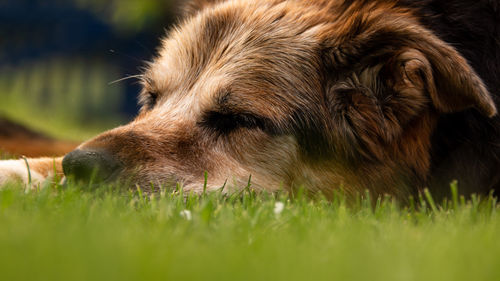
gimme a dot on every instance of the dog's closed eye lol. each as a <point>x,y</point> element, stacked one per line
<point>148,100</point>
<point>226,122</point>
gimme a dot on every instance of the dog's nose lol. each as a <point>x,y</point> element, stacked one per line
<point>90,165</point>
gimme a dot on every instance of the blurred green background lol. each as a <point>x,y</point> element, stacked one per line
<point>58,59</point>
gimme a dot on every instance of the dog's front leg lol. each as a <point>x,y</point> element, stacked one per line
<point>31,171</point>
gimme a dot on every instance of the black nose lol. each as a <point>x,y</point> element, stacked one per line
<point>90,165</point>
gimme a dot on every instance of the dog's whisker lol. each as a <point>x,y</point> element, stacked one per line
<point>138,76</point>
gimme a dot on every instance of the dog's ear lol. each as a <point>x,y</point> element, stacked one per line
<point>380,84</point>
<point>445,75</point>
<point>419,59</point>
<point>193,6</point>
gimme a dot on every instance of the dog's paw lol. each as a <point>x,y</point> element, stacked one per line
<point>18,171</point>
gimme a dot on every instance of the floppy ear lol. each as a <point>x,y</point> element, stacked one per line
<point>193,6</point>
<point>426,61</point>
<point>381,79</point>
<point>449,80</point>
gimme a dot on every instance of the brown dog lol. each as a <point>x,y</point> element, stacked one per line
<point>359,95</point>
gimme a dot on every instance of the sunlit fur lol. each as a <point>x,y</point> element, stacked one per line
<point>326,94</point>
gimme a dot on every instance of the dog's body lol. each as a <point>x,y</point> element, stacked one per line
<point>388,96</point>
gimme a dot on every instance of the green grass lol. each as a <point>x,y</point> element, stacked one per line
<point>71,233</point>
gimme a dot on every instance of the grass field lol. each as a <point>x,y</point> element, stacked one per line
<point>71,233</point>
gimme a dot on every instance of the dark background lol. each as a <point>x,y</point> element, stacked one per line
<point>58,61</point>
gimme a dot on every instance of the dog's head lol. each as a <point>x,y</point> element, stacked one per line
<point>315,93</point>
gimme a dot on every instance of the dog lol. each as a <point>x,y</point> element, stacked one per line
<point>381,95</point>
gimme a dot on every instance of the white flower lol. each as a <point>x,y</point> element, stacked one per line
<point>186,214</point>
<point>278,207</point>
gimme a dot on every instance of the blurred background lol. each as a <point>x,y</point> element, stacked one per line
<point>59,60</point>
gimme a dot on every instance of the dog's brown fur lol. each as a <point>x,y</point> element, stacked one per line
<point>321,94</point>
